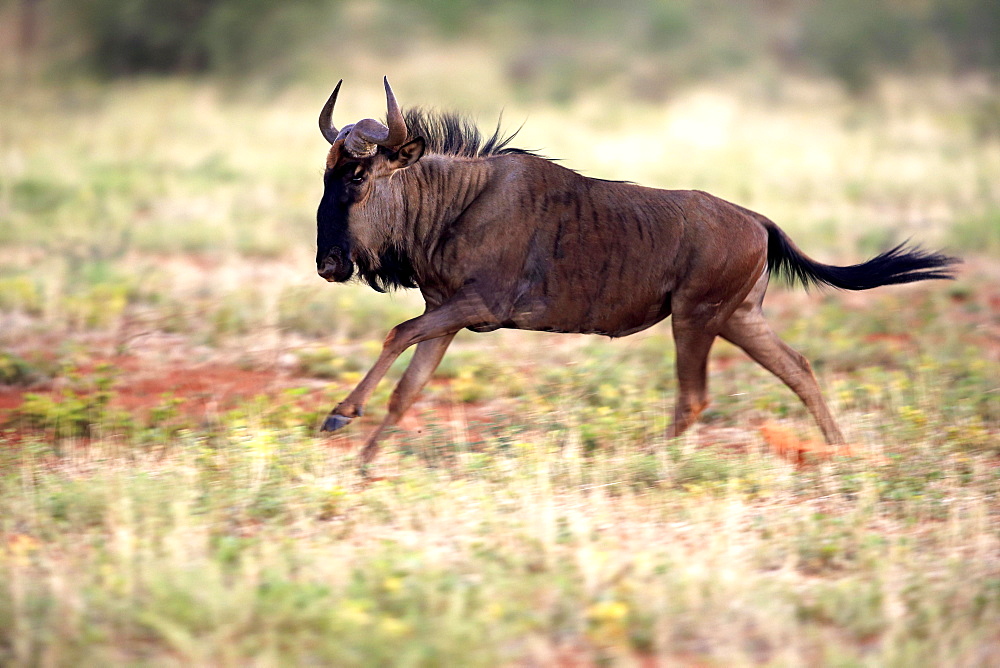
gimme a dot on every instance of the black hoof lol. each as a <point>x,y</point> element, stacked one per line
<point>335,422</point>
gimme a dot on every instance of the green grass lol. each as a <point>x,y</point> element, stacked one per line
<point>530,511</point>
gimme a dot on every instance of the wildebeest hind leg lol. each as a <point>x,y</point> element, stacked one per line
<point>748,330</point>
<point>426,358</point>
<point>693,344</point>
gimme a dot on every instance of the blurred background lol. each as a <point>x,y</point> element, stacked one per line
<point>548,52</point>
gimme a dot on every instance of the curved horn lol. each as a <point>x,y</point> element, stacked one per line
<point>326,125</point>
<point>394,117</point>
<point>369,133</point>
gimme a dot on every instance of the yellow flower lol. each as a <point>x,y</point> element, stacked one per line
<point>607,622</point>
<point>20,546</point>
<point>355,613</point>
<point>494,611</point>
<point>607,611</point>
<point>393,627</point>
<point>608,391</point>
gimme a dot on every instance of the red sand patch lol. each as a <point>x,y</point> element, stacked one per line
<point>140,385</point>
<point>10,398</point>
<point>212,384</point>
<point>147,382</point>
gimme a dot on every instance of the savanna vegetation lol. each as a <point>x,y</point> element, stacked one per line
<point>166,353</point>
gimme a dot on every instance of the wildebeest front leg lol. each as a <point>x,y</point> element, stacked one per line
<point>460,311</point>
<point>426,358</point>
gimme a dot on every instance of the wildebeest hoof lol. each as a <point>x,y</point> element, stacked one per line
<point>335,422</point>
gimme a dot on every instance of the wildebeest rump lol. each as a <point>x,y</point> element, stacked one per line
<point>495,237</point>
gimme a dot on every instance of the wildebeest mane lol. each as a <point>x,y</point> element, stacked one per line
<point>448,133</point>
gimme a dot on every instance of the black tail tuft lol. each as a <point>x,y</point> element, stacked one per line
<point>901,264</point>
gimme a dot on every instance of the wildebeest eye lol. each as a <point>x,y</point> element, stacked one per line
<point>357,178</point>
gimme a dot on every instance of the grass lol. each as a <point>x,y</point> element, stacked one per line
<point>166,353</point>
<point>264,545</point>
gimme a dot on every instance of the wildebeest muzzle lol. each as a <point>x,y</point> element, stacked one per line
<point>335,266</point>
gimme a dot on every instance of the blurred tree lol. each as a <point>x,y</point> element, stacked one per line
<point>853,39</point>
<point>120,37</point>
<point>972,31</point>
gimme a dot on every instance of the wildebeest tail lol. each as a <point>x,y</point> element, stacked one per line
<point>901,264</point>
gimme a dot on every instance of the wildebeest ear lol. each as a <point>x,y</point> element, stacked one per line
<point>408,154</point>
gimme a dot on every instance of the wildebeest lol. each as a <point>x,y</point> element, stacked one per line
<point>495,236</point>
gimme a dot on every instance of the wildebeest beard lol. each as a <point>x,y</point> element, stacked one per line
<point>392,271</point>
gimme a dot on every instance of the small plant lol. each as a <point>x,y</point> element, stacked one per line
<point>20,293</point>
<point>15,370</point>
<point>81,408</point>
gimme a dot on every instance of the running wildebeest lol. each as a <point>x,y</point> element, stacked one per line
<point>495,236</point>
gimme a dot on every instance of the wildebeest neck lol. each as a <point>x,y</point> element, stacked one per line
<point>436,194</point>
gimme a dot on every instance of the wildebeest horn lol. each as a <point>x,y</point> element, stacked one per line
<point>369,133</point>
<point>397,126</point>
<point>326,125</point>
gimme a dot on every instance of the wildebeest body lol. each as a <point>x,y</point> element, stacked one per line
<point>496,237</point>
<point>580,255</point>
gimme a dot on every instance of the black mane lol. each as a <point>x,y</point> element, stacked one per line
<point>449,133</point>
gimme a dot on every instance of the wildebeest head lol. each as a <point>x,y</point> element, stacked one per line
<point>361,154</point>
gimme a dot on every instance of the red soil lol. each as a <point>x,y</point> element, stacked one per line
<point>142,383</point>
